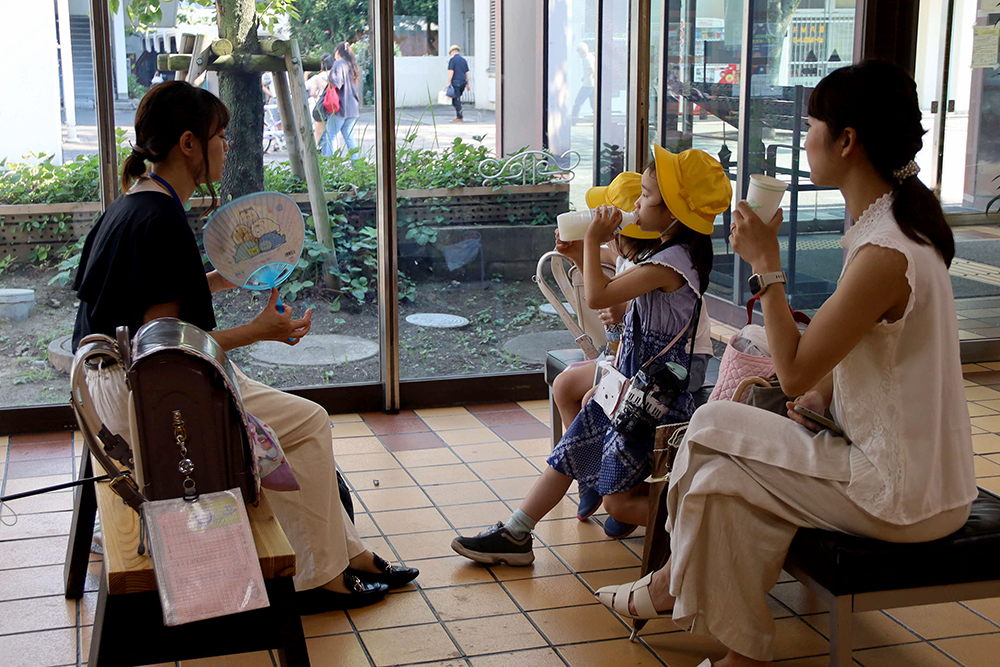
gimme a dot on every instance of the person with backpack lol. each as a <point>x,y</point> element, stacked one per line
<point>345,80</point>
<point>141,262</point>
<point>316,85</point>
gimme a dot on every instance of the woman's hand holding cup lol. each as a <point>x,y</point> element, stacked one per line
<point>754,240</point>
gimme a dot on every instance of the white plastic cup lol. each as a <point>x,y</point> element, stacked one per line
<point>573,224</point>
<point>764,195</point>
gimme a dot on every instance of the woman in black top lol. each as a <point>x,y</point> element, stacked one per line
<point>141,262</point>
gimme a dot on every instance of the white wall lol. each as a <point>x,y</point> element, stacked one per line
<point>522,25</point>
<point>31,115</point>
<point>483,85</point>
<point>420,76</point>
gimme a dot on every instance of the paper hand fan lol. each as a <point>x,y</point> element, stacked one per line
<point>256,240</point>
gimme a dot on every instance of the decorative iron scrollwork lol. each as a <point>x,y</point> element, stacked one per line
<point>531,167</point>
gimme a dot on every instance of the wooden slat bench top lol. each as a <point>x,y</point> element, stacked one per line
<point>128,572</point>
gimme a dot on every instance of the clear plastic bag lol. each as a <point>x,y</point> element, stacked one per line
<point>204,557</point>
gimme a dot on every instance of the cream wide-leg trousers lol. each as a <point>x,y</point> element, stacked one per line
<point>731,520</point>
<point>313,518</point>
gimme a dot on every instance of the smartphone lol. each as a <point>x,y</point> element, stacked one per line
<point>820,419</point>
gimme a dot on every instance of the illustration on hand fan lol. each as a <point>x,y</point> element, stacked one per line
<point>255,235</point>
<point>256,240</point>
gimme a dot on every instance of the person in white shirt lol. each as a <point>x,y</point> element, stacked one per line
<point>881,354</point>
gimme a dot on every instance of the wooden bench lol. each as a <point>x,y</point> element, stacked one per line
<point>128,624</point>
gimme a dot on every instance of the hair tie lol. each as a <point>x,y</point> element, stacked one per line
<point>141,152</point>
<point>909,170</point>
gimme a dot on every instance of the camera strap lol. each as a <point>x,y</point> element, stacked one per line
<point>691,326</point>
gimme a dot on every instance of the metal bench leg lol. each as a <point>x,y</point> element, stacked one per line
<point>557,425</point>
<point>81,533</point>
<point>841,620</point>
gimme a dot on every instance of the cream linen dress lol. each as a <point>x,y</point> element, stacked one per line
<point>745,479</point>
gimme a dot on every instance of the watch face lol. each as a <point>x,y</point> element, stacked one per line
<point>754,284</point>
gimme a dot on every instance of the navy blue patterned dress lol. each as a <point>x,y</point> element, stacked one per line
<point>593,453</point>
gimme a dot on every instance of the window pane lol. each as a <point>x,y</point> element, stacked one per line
<point>48,190</point>
<point>614,73</point>
<point>793,50</point>
<point>572,109</point>
<point>472,223</point>
<point>699,94</point>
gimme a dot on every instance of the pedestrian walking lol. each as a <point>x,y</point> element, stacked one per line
<point>458,80</point>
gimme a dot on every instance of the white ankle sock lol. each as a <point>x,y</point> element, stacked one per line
<point>520,524</point>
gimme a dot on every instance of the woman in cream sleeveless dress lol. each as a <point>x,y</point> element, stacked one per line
<point>881,354</point>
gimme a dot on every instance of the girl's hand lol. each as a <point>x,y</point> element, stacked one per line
<point>613,315</point>
<point>272,324</point>
<point>755,241</point>
<point>572,249</point>
<point>812,400</point>
<point>603,226</point>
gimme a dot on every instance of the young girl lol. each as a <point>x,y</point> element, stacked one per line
<point>681,196</point>
<point>882,354</point>
<point>141,262</point>
<point>573,385</point>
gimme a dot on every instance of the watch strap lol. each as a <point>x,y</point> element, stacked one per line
<point>765,280</point>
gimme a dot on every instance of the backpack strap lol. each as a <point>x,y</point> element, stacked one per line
<point>580,337</point>
<point>102,443</point>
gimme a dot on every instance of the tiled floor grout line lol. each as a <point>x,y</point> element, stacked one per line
<point>522,611</point>
<point>388,541</point>
<point>545,544</point>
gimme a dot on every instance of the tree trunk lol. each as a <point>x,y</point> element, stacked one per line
<point>241,91</point>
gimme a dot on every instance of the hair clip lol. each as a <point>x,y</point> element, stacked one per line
<point>911,169</point>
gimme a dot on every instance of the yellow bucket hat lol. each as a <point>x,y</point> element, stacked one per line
<point>622,193</point>
<point>694,186</point>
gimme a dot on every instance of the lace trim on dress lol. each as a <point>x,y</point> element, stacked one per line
<point>873,213</point>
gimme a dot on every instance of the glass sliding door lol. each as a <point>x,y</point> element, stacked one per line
<point>961,110</point>
<point>613,75</point>
<point>472,223</point>
<point>792,48</point>
<point>695,80</point>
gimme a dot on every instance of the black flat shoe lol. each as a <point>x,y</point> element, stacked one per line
<point>392,576</point>
<point>320,600</point>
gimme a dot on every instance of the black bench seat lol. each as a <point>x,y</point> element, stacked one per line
<point>855,574</point>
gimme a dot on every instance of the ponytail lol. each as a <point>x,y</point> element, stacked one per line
<point>892,136</point>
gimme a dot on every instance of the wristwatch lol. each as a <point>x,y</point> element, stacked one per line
<point>759,282</point>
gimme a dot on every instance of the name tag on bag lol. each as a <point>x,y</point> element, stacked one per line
<point>610,388</point>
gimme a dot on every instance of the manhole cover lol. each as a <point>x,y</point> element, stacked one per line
<point>534,346</point>
<point>549,309</point>
<point>437,320</point>
<point>315,350</point>
<point>61,353</point>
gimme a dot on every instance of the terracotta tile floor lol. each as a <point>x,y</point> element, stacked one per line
<point>418,479</point>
